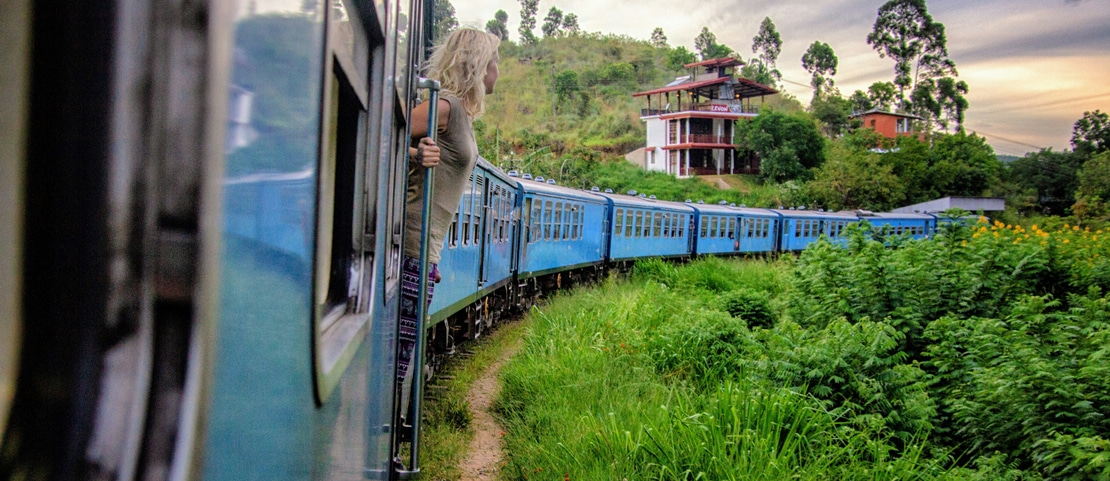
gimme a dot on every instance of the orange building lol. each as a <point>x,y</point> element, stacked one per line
<point>888,124</point>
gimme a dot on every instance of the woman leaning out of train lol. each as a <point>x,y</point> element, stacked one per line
<point>465,64</point>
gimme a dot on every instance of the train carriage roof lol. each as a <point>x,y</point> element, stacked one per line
<point>718,209</point>
<point>816,214</point>
<point>893,216</point>
<point>626,200</point>
<point>536,187</point>
<point>496,171</point>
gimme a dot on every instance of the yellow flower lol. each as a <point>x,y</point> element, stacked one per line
<point>973,236</point>
<point>1066,241</point>
<point>964,243</point>
<point>1034,226</point>
<point>996,234</point>
<point>1076,228</point>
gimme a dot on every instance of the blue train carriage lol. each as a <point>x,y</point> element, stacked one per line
<point>646,227</point>
<point>914,226</point>
<point>728,229</point>
<point>800,228</point>
<point>562,230</point>
<point>303,384</point>
<point>477,260</point>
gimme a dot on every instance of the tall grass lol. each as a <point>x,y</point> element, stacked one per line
<point>595,395</point>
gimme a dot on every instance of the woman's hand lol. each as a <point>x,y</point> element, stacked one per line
<point>427,153</point>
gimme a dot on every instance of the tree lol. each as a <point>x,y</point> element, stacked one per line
<point>444,17</point>
<point>905,32</point>
<point>861,102</point>
<point>820,61</point>
<point>499,25</point>
<point>705,43</point>
<point>882,95</point>
<point>658,40</point>
<point>1091,134</point>
<point>564,86</point>
<point>678,57</point>
<point>528,10</point>
<point>950,97</point>
<point>963,165</point>
<point>832,111</point>
<point>855,179</point>
<point>1094,177</point>
<point>570,24</point>
<point>553,23</point>
<point>788,145</point>
<point>767,44</point>
<point>1053,175</point>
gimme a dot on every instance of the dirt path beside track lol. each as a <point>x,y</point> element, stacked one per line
<point>483,459</point>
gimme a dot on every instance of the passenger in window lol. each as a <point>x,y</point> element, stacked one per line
<point>465,65</point>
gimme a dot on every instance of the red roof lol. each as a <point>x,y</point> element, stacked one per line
<point>684,86</point>
<point>724,61</point>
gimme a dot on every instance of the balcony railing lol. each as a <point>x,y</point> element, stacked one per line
<point>700,139</point>
<point>703,107</point>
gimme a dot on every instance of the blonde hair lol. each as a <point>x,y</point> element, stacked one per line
<point>460,62</point>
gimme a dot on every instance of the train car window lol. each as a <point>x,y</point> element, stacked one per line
<point>547,216</point>
<point>557,223</point>
<point>581,220</point>
<point>713,226</point>
<point>731,228</point>
<point>566,220</point>
<point>647,225</point>
<point>453,232</point>
<point>537,220</point>
<point>628,223</point>
<point>574,223</point>
<point>637,222</point>
<point>526,222</point>
<point>704,227</point>
<point>724,227</point>
<point>657,225</point>
<point>618,220</point>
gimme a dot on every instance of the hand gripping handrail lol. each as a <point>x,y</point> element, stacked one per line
<point>417,363</point>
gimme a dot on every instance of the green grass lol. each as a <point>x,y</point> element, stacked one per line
<point>594,394</point>
<point>447,432</point>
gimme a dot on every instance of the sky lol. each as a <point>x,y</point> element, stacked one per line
<point>1033,66</point>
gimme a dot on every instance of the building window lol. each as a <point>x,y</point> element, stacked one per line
<point>902,125</point>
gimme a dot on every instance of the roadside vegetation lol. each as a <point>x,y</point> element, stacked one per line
<point>978,355</point>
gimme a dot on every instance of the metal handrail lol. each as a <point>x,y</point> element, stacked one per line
<point>417,363</point>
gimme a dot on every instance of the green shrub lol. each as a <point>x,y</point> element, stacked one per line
<point>753,306</point>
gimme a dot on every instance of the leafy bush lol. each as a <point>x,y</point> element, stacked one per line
<point>753,306</point>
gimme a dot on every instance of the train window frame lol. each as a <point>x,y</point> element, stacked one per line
<point>537,219</point>
<point>714,226</point>
<point>646,228</point>
<point>628,218</point>
<point>568,212</point>
<point>657,225</point>
<point>547,216</point>
<point>704,227</point>
<point>557,222</point>
<point>618,222</point>
<point>637,223</point>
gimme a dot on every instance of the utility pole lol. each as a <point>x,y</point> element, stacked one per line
<point>554,95</point>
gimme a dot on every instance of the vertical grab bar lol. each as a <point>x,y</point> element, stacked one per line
<point>417,363</point>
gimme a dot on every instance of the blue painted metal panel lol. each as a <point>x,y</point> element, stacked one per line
<point>561,228</point>
<point>264,421</point>
<point>649,228</point>
<point>916,226</point>
<point>800,228</point>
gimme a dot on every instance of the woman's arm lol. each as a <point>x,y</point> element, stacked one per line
<point>425,152</point>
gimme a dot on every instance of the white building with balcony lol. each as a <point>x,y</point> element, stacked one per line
<point>691,121</point>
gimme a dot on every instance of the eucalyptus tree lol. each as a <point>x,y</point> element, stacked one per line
<point>528,9</point>
<point>444,18</point>
<point>499,25</point>
<point>767,45</point>
<point>905,32</point>
<point>658,39</point>
<point>570,24</point>
<point>552,23</point>
<point>820,61</point>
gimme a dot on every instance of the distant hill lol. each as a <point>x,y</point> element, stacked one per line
<point>1006,159</point>
<point>572,92</point>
